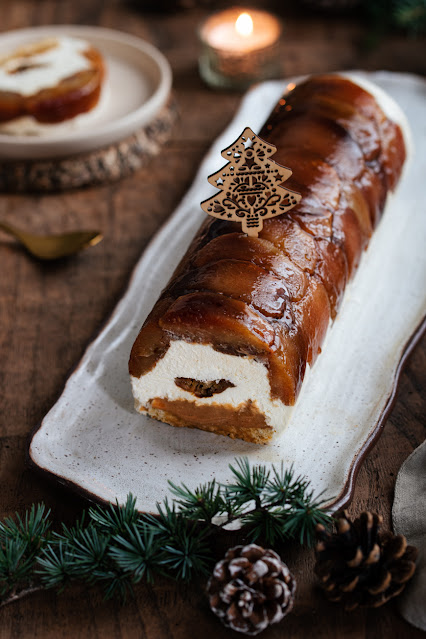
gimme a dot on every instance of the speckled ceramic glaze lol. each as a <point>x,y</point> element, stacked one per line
<point>92,437</point>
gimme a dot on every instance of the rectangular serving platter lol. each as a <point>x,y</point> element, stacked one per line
<point>93,440</point>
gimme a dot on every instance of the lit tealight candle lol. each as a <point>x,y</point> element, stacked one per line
<point>239,47</point>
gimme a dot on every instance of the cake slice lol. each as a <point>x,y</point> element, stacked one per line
<point>49,82</point>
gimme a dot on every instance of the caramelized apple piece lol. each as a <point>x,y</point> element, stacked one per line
<point>354,199</point>
<point>342,90</point>
<point>364,131</point>
<point>72,96</point>
<point>312,177</point>
<point>256,251</point>
<point>12,105</point>
<point>312,317</point>
<point>152,342</point>
<point>336,88</point>
<point>393,155</point>
<point>241,281</point>
<point>347,234</point>
<point>372,184</point>
<point>332,269</point>
<point>318,223</point>
<point>203,388</point>
<point>324,138</point>
<point>229,325</point>
<point>287,365</point>
<point>287,235</point>
<point>215,228</point>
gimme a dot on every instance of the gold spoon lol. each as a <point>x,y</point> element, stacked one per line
<point>52,247</point>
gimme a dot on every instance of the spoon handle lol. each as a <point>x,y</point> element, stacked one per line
<point>9,229</point>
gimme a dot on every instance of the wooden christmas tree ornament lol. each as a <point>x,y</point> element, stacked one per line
<point>250,185</point>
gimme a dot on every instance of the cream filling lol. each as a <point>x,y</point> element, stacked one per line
<point>250,377</point>
<point>203,363</point>
<point>47,69</point>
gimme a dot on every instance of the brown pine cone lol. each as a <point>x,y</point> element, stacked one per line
<point>250,589</point>
<point>359,566</point>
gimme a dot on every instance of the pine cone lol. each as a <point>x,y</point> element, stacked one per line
<point>360,567</point>
<point>250,589</point>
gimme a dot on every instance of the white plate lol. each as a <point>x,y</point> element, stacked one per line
<point>137,84</point>
<point>93,438</point>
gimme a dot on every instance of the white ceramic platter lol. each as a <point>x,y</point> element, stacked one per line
<point>137,84</point>
<point>93,439</point>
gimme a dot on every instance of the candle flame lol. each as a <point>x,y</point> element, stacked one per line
<point>244,24</point>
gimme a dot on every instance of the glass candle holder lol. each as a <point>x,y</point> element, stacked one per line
<point>239,47</point>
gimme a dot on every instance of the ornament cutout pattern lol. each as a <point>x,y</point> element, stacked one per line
<point>250,185</point>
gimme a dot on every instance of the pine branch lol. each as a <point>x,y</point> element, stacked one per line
<point>250,483</point>
<point>111,520</point>
<point>205,503</point>
<point>411,14</point>
<point>384,15</point>
<point>183,540</point>
<point>21,541</point>
<point>139,553</point>
<point>116,546</point>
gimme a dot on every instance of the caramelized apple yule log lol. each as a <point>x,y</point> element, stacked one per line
<point>227,345</point>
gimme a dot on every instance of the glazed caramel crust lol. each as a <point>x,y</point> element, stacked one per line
<point>273,296</point>
<point>72,96</point>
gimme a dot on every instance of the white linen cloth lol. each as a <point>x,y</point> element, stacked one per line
<point>409,519</point>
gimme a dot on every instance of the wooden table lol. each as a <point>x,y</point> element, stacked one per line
<point>49,312</point>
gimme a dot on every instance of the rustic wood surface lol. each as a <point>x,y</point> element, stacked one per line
<point>49,312</point>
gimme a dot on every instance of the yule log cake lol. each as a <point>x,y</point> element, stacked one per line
<point>227,345</point>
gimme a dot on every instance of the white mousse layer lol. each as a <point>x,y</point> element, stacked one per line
<point>203,363</point>
<point>250,377</point>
